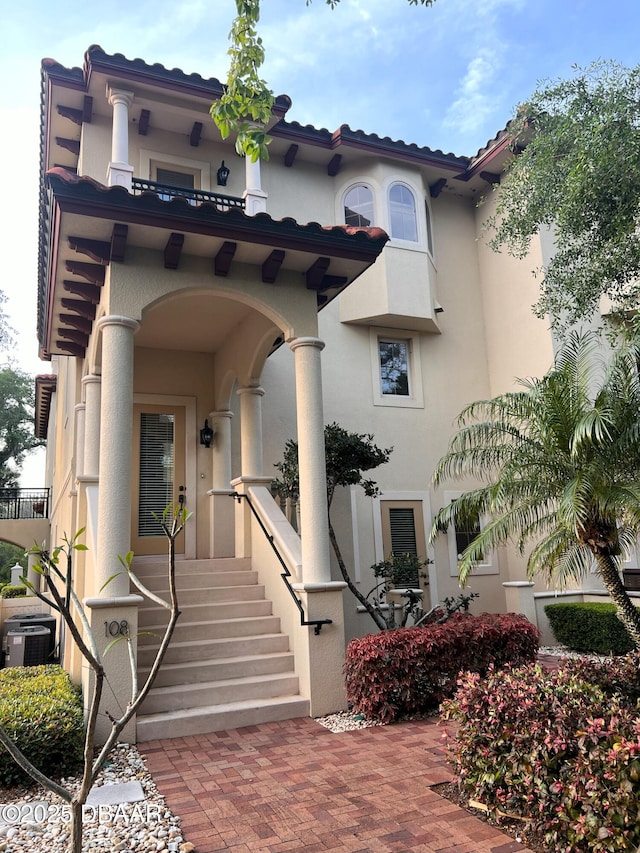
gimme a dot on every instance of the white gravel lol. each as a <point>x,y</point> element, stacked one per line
<point>39,822</point>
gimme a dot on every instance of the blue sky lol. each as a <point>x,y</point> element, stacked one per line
<point>448,76</point>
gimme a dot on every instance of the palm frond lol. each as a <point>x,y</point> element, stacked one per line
<point>559,460</point>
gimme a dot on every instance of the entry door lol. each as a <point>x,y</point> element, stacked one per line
<point>158,474</point>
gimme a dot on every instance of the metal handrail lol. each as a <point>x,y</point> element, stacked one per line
<point>193,196</point>
<point>18,503</point>
<point>286,574</point>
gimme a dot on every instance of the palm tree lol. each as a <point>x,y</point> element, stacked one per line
<point>560,460</point>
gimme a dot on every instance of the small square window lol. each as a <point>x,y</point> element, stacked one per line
<point>396,369</point>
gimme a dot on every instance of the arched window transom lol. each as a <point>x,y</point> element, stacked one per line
<point>358,206</point>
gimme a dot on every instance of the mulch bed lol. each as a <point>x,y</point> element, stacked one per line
<point>519,830</point>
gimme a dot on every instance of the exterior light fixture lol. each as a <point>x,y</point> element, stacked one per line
<point>223,175</point>
<point>206,434</point>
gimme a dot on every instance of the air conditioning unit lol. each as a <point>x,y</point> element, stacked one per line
<point>27,646</point>
<point>28,620</point>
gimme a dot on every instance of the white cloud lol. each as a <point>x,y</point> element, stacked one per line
<point>474,97</point>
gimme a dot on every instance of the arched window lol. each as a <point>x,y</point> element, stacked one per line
<point>402,213</point>
<point>358,206</point>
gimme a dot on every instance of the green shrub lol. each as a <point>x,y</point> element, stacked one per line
<point>589,627</point>
<point>410,670</point>
<point>41,711</point>
<point>554,748</point>
<point>13,591</point>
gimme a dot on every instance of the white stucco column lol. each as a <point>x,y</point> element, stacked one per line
<point>119,172</point>
<point>112,607</point>
<point>316,565</point>
<point>255,198</point>
<point>221,504</point>
<point>80,422</point>
<point>251,430</point>
<point>116,426</point>
<point>91,454</point>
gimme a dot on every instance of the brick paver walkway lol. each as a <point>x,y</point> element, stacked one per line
<point>295,786</point>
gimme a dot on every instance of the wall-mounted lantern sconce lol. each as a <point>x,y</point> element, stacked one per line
<point>206,434</point>
<point>223,175</point>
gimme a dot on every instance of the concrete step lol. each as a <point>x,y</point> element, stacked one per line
<point>212,595</point>
<point>200,671</point>
<point>154,615</point>
<point>156,568</point>
<point>227,664</point>
<point>249,688</point>
<point>195,580</point>
<point>227,647</point>
<point>196,631</point>
<point>217,718</point>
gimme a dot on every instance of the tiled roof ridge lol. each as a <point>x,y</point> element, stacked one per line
<point>491,143</point>
<point>361,234</point>
<point>95,54</point>
<point>96,51</point>
<point>52,66</point>
<point>438,152</point>
<point>361,135</point>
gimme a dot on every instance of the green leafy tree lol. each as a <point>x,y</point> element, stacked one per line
<point>560,464</point>
<point>9,556</point>
<point>16,423</point>
<point>245,106</point>
<point>349,455</point>
<point>577,171</point>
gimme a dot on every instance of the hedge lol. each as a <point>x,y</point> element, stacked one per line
<point>559,749</point>
<point>410,670</point>
<point>13,591</point>
<point>589,627</point>
<point>41,711</point>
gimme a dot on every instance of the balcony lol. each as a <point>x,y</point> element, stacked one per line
<point>18,504</point>
<point>167,192</point>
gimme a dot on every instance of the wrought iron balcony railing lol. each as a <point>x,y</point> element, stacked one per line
<point>166,192</point>
<point>16,503</point>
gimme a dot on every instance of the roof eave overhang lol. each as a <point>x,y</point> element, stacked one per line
<point>370,143</point>
<point>350,250</point>
<point>45,387</point>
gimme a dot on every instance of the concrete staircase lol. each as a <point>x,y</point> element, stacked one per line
<point>228,664</point>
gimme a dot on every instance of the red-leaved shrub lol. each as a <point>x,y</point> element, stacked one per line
<point>554,748</point>
<point>410,670</point>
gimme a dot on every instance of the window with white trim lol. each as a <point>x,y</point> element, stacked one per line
<point>458,538</point>
<point>402,213</point>
<point>358,206</point>
<point>396,369</point>
<point>403,533</point>
<point>175,171</point>
<point>174,178</point>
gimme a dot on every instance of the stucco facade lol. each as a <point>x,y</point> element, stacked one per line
<point>264,311</point>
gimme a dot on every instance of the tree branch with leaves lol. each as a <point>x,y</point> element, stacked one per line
<point>576,171</point>
<point>349,455</point>
<point>246,104</point>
